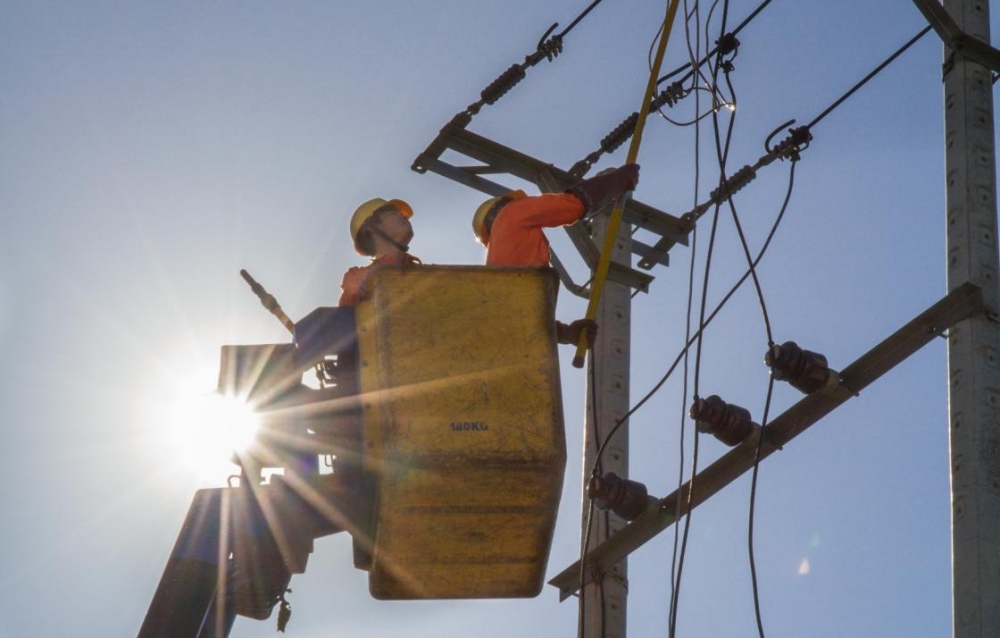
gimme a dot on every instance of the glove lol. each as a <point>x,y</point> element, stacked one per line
<point>570,334</point>
<point>597,191</point>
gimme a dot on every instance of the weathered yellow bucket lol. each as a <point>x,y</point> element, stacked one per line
<point>463,427</point>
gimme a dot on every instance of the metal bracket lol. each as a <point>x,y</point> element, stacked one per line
<point>954,38</point>
<point>961,303</point>
<point>497,159</point>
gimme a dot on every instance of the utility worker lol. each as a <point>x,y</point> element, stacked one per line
<point>511,226</point>
<point>381,230</point>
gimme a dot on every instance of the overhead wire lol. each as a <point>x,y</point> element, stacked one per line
<point>548,48</point>
<point>600,274</point>
<point>721,154</point>
<point>788,149</point>
<point>674,563</point>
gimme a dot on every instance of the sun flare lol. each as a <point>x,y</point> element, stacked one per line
<point>200,429</point>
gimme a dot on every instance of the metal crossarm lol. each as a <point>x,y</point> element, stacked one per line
<point>662,513</point>
<point>497,159</point>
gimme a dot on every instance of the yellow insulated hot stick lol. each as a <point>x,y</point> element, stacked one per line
<point>616,215</point>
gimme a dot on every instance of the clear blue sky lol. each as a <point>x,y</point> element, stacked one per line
<point>148,151</point>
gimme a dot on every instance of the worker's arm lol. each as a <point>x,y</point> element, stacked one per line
<point>597,191</point>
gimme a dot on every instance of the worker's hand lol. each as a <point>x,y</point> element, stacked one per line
<point>629,176</point>
<point>571,333</point>
<point>597,191</point>
<point>626,177</point>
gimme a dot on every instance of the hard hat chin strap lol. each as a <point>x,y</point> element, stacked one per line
<point>381,233</point>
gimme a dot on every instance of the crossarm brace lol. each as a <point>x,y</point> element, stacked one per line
<point>956,39</point>
<point>660,514</point>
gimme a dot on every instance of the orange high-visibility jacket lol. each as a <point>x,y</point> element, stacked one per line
<point>353,289</point>
<point>517,239</point>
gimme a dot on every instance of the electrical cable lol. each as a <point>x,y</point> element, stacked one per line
<point>753,501</point>
<point>611,232</point>
<point>706,319</point>
<point>577,19</point>
<point>721,155</point>
<point>756,461</point>
<point>548,48</point>
<point>868,77</point>
<point>688,313</point>
<point>710,54</point>
<point>666,376</point>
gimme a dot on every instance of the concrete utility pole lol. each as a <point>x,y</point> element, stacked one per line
<point>604,600</point>
<point>974,344</point>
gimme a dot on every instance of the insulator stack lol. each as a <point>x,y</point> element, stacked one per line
<point>620,134</point>
<point>738,180</point>
<point>502,84</point>
<point>731,424</point>
<point>623,497</point>
<point>804,370</point>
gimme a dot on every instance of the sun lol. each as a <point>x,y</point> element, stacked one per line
<point>198,428</point>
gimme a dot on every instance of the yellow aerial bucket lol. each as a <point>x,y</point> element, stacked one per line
<point>463,429</point>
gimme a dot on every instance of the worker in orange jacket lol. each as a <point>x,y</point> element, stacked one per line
<point>512,226</point>
<point>381,230</point>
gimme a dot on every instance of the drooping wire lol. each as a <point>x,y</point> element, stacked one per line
<point>623,421</point>
<point>756,459</point>
<point>799,137</point>
<point>753,501</point>
<point>687,325</point>
<point>721,154</point>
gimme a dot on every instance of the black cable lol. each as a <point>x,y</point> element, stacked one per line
<point>753,501</point>
<point>687,332</point>
<point>548,48</point>
<point>578,18</point>
<point>675,602</point>
<point>868,77</point>
<point>760,441</point>
<point>721,156</point>
<point>708,320</point>
<point>713,52</point>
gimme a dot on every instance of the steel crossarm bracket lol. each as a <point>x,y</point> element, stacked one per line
<point>956,39</point>
<point>660,514</point>
<point>497,159</point>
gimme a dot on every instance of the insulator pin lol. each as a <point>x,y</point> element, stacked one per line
<point>731,424</point>
<point>804,370</point>
<point>623,497</point>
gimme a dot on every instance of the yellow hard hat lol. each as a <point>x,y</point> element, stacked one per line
<point>365,212</point>
<point>491,205</point>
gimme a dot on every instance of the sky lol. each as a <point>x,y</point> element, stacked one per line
<point>149,151</point>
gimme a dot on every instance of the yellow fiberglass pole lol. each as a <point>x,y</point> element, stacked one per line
<point>616,215</point>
